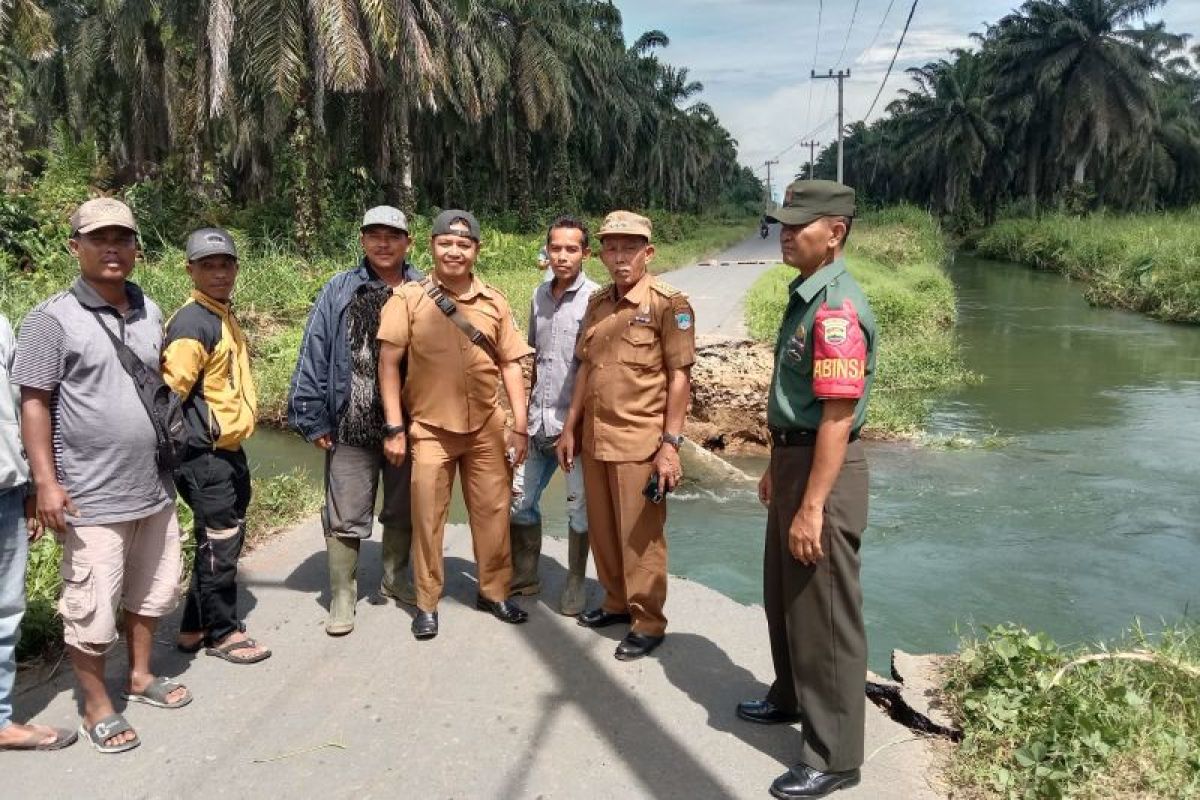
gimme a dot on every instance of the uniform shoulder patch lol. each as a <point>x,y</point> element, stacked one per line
<point>665,289</point>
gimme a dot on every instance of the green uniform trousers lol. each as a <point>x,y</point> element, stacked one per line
<point>814,613</point>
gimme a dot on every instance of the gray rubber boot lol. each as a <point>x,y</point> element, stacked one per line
<point>343,584</point>
<point>397,545</point>
<point>526,552</point>
<point>574,594</point>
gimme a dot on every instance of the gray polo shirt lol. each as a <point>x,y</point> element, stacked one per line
<point>553,329</point>
<point>13,470</point>
<point>104,443</point>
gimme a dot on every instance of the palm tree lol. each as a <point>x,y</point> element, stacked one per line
<point>1077,72</point>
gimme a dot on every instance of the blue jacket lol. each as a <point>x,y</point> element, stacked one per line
<point>321,382</point>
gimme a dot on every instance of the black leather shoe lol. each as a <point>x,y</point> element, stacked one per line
<point>764,712</point>
<point>802,781</point>
<point>503,610</point>
<point>425,624</point>
<point>636,645</point>
<point>599,618</point>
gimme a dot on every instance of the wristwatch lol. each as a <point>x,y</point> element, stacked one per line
<point>392,430</point>
<point>673,439</point>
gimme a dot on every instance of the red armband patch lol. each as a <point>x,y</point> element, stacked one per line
<point>839,354</point>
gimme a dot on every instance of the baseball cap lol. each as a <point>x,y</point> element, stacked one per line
<point>385,215</point>
<point>102,212</point>
<point>210,242</point>
<point>625,222</point>
<point>805,201</point>
<point>443,223</point>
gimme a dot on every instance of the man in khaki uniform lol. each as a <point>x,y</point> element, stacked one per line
<point>636,349</point>
<point>460,340</point>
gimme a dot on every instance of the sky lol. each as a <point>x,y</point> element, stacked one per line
<point>754,58</point>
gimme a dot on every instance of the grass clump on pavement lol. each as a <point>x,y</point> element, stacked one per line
<point>896,255</point>
<point>1142,262</point>
<point>1044,721</point>
<point>279,501</point>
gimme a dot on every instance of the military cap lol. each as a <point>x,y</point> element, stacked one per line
<point>444,223</point>
<point>102,212</point>
<point>625,222</point>
<point>210,242</point>
<point>387,216</point>
<point>805,201</point>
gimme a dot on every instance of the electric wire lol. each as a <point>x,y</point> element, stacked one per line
<point>895,55</point>
<point>882,22</point>
<point>816,53</point>
<point>846,41</point>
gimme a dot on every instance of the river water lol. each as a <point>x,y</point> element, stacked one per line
<point>1087,516</point>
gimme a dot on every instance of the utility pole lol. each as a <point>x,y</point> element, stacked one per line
<point>840,77</point>
<point>770,195</point>
<point>812,149</point>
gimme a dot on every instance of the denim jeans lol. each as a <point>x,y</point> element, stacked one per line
<point>14,551</point>
<point>531,479</point>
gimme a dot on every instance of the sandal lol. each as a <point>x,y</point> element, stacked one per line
<point>155,694</point>
<point>228,652</point>
<point>35,741</point>
<point>107,728</point>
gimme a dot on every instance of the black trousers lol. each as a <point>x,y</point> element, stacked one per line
<point>216,485</point>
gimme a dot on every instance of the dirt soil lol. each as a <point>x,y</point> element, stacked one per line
<point>729,396</point>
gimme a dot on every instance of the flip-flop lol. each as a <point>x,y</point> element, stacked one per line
<point>155,694</point>
<point>34,741</point>
<point>227,652</point>
<point>107,728</point>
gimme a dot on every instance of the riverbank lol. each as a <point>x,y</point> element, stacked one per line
<point>1144,262</point>
<point>897,256</point>
<point>1042,720</point>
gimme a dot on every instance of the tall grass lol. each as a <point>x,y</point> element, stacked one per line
<point>1045,721</point>
<point>1143,262</point>
<point>896,255</point>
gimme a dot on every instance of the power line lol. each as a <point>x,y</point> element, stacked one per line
<point>808,135</point>
<point>888,74</point>
<point>846,41</point>
<point>882,22</point>
<point>816,52</point>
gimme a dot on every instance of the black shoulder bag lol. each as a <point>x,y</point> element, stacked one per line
<point>161,403</point>
<point>448,307</point>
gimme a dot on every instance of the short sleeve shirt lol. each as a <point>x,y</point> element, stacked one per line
<point>792,405</point>
<point>452,384</point>
<point>104,442</point>
<point>630,344</point>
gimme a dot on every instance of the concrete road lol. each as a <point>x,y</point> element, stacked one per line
<point>718,287</point>
<point>486,710</point>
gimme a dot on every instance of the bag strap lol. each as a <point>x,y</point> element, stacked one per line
<point>133,366</point>
<point>447,307</point>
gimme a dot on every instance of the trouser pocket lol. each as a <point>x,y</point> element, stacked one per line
<point>78,601</point>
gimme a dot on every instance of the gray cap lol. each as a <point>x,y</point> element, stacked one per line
<point>386,216</point>
<point>444,223</point>
<point>210,242</point>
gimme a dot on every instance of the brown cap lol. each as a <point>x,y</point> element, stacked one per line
<point>805,201</point>
<point>625,222</point>
<point>102,212</point>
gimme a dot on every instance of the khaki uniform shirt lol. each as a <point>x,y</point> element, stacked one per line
<point>451,383</point>
<point>629,344</point>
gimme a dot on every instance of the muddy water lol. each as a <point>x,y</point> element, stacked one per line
<point>1087,517</point>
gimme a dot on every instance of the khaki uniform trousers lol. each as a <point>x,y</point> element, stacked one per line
<point>487,490</point>
<point>628,543</point>
<point>814,613</point>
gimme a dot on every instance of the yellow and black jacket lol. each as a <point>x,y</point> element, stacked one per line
<point>206,362</point>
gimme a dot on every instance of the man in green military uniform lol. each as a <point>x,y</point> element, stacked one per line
<point>815,490</point>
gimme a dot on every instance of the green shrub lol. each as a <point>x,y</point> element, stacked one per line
<point>1044,721</point>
